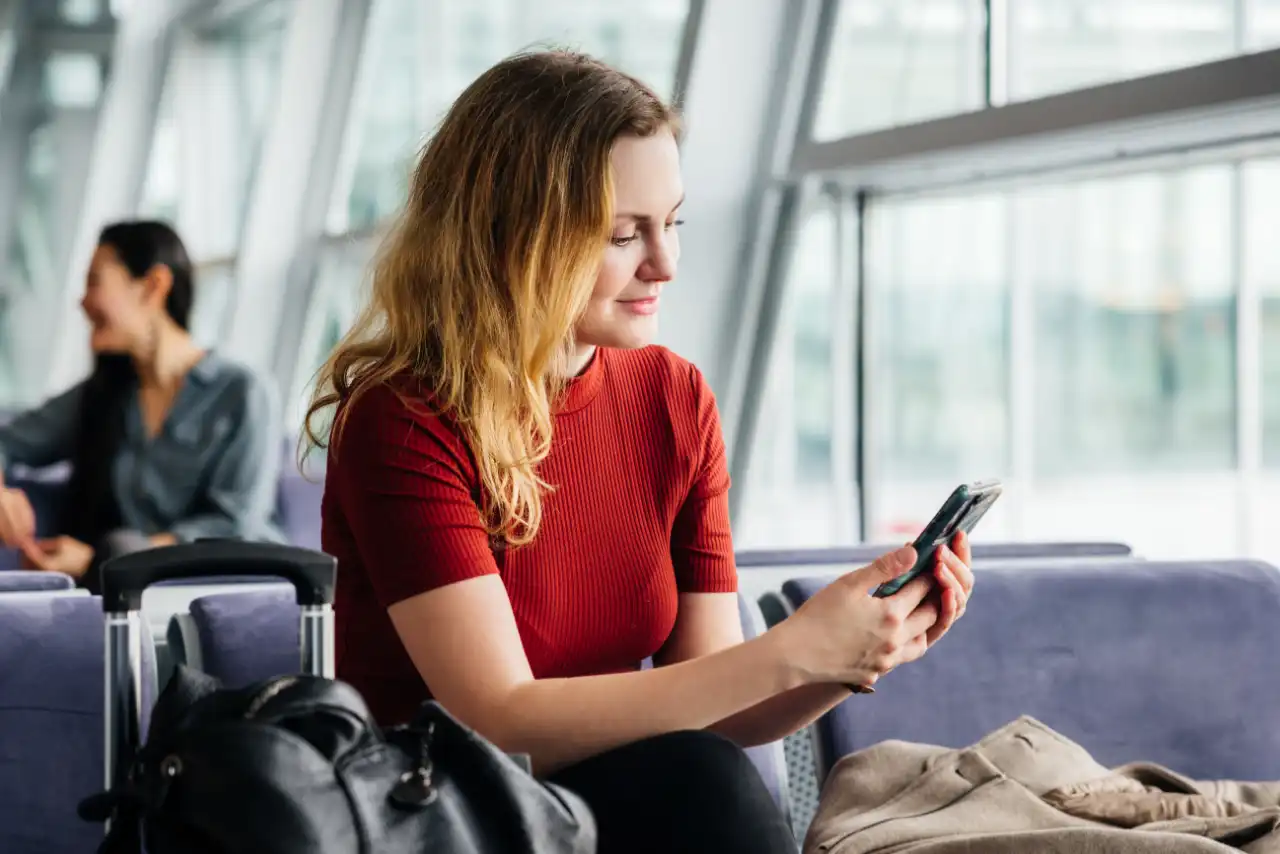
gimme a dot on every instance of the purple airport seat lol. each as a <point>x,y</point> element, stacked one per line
<point>1166,662</point>
<point>298,508</point>
<point>33,581</point>
<point>51,717</point>
<point>854,556</point>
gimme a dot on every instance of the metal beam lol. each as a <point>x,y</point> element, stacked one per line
<point>1216,104</point>
<point>290,197</point>
<point>77,38</point>
<point>19,114</point>
<point>121,149</point>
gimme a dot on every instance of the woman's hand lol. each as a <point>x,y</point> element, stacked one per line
<point>844,634</point>
<point>17,519</point>
<point>955,582</point>
<point>59,554</point>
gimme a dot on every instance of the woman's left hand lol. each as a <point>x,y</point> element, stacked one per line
<point>955,582</point>
<point>58,554</point>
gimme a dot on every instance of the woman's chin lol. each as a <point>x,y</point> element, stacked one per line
<point>104,343</point>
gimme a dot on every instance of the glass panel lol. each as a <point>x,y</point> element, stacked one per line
<point>1134,339</point>
<point>73,80</point>
<point>895,62</point>
<point>1261,184</point>
<point>81,11</point>
<point>938,356</point>
<point>213,292</point>
<point>342,269</point>
<point>162,187</point>
<point>204,154</point>
<point>1262,24</point>
<point>48,197</point>
<point>1058,45</point>
<point>1135,322</point>
<point>420,55</point>
<point>795,494</point>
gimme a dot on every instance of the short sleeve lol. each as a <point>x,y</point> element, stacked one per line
<point>701,538</point>
<point>407,488</point>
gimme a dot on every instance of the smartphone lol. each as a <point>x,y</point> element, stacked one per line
<point>960,512</point>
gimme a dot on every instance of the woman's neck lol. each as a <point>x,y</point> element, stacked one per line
<point>167,360</point>
<point>579,358</point>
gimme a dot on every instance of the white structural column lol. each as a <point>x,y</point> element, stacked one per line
<point>294,180</point>
<point>121,148</point>
<point>735,95</point>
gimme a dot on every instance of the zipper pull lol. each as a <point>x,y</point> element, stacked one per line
<point>416,788</point>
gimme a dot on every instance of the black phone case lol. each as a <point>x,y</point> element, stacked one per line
<point>956,514</point>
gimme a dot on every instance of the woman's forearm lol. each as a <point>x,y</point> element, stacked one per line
<point>561,721</point>
<point>778,717</point>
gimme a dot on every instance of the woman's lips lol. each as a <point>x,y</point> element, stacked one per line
<point>645,306</point>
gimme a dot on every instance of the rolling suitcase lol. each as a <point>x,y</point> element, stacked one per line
<point>296,764</point>
<point>124,579</point>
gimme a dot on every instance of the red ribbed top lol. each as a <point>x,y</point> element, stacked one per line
<point>639,514</point>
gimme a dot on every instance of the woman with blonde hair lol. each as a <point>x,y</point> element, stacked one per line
<point>527,499</point>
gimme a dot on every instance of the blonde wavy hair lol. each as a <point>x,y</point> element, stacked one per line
<point>478,287</point>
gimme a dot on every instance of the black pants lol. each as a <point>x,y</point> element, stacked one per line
<point>682,792</point>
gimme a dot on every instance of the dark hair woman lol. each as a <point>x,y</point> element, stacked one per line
<point>168,442</point>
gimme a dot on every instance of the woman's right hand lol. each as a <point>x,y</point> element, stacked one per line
<point>843,634</point>
<point>17,519</point>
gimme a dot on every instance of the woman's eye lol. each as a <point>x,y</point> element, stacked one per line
<point>624,241</point>
<point>675,223</point>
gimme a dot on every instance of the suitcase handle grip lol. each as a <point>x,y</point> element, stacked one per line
<point>125,577</point>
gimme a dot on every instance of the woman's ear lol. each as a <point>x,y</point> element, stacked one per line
<point>158,282</point>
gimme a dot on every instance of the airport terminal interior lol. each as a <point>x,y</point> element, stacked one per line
<point>924,243</point>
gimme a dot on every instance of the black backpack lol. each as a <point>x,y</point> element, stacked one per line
<point>296,765</point>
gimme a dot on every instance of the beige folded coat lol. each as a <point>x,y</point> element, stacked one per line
<point>1026,788</point>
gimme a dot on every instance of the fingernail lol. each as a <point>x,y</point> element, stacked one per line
<point>904,556</point>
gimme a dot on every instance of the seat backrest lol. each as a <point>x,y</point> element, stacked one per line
<point>28,581</point>
<point>248,635</point>
<point>852,556</point>
<point>1166,662</point>
<point>298,507</point>
<point>51,719</point>
<point>770,759</point>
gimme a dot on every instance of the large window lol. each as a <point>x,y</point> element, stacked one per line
<point>1056,45</point>
<point>800,483</point>
<point>1262,24</point>
<point>1074,338</point>
<point>938,351</point>
<point>1134,322</point>
<point>420,56</point>
<point>1261,187</point>
<point>898,62</point>
<point>894,62</point>
<point>214,112</point>
<point>49,191</point>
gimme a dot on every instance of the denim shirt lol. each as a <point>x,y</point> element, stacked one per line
<point>211,470</point>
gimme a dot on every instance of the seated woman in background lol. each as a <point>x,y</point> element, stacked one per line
<point>168,442</point>
<point>527,500</point>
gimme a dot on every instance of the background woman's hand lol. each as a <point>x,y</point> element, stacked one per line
<point>58,554</point>
<point>17,519</point>
<point>843,634</point>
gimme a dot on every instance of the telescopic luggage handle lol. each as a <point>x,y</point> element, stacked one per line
<point>125,578</point>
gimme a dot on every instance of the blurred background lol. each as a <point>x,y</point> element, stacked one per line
<point>928,241</point>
